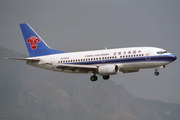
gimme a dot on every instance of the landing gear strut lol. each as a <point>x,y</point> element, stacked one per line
<point>93,78</point>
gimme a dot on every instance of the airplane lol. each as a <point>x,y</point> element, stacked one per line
<point>104,62</point>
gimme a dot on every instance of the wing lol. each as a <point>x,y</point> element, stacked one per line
<point>25,59</point>
<point>77,68</point>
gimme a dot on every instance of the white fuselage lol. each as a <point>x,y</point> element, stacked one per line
<point>128,59</point>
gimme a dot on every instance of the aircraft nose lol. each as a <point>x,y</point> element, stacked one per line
<point>173,57</point>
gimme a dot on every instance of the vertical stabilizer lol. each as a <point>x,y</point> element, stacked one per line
<point>35,44</point>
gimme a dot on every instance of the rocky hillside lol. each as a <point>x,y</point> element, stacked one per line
<point>31,93</point>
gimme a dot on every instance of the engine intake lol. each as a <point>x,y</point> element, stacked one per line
<point>108,70</point>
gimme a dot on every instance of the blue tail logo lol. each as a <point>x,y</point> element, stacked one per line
<point>33,40</point>
<point>34,43</point>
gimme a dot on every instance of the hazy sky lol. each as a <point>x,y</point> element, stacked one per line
<point>75,25</point>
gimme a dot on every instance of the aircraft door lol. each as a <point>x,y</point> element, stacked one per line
<point>148,55</point>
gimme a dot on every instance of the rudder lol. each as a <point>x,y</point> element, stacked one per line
<point>34,43</point>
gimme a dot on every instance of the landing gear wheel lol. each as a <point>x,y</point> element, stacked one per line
<point>106,77</point>
<point>93,78</point>
<point>156,73</point>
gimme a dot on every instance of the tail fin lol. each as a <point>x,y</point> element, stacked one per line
<point>35,44</point>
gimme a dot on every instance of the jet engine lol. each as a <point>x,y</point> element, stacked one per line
<point>106,70</point>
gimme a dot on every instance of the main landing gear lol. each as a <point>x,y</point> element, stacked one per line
<point>94,77</point>
<point>106,77</point>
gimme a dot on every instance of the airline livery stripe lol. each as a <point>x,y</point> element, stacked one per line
<point>127,60</point>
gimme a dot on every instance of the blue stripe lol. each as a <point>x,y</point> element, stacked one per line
<point>128,60</point>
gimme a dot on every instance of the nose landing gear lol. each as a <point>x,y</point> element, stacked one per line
<point>156,73</point>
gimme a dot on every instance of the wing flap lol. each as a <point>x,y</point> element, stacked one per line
<point>80,68</point>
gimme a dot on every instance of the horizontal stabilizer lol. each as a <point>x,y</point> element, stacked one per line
<point>26,59</point>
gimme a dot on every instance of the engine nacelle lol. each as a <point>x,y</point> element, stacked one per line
<point>108,70</point>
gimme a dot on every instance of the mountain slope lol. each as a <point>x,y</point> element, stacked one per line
<point>167,111</point>
<point>28,93</point>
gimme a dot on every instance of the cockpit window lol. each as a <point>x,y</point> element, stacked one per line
<point>161,52</point>
<point>164,51</point>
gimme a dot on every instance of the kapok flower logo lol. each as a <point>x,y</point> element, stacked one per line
<point>33,40</point>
